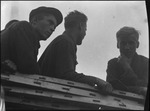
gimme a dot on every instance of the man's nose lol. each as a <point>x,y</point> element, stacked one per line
<point>127,46</point>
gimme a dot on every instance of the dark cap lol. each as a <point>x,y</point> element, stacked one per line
<point>50,10</point>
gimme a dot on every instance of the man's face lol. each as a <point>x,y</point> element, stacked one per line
<point>127,45</point>
<point>82,33</point>
<point>46,26</point>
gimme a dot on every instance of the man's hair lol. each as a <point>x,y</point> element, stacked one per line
<point>127,31</point>
<point>73,18</point>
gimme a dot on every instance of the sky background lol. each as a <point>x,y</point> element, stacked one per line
<point>105,18</point>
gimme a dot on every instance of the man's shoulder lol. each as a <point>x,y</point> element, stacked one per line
<point>113,60</point>
<point>142,58</point>
<point>61,39</point>
<point>23,24</point>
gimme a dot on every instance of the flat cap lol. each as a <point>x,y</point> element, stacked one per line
<point>50,10</point>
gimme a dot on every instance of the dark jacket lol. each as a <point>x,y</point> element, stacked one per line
<point>138,76</point>
<point>20,44</point>
<point>59,60</point>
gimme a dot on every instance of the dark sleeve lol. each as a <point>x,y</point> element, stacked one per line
<point>129,78</point>
<point>4,45</point>
<point>138,77</point>
<point>144,72</point>
<point>66,63</point>
<point>113,75</point>
<point>26,57</point>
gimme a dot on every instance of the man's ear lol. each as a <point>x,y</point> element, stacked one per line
<point>34,20</point>
<point>80,26</point>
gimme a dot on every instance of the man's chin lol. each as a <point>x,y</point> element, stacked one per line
<point>44,38</point>
<point>79,43</point>
<point>129,55</point>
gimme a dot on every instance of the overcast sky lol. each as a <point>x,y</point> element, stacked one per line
<point>105,18</point>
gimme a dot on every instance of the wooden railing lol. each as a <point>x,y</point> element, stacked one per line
<point>23,91</point>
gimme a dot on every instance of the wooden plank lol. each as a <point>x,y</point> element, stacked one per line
<point>38,104</point>
<point>58,81</point>
<point>50,96</point>
<point>50,86</point>
<point>67,83</point>
<point>104,101</point>
<point>80,85</point>
<point>56,87</point>
<point>129,95</point>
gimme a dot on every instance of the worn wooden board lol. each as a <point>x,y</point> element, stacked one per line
<point>81,85</point>
<point>83,101</point>
<point>50,86</point>
<point>118,93</point>
<point>105,100</point>
<point>28,103</point>
<point>51,97</point>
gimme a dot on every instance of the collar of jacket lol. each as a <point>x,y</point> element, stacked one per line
<point>69,37</point>
<point>37,35</point>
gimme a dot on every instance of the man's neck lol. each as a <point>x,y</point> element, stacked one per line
<point>72,34</point>
<point>38,34</point>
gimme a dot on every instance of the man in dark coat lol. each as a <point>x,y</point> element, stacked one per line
<point>129,71</point>
<point>59,59</point>
<point>11,23</point>
<point>20,41</point>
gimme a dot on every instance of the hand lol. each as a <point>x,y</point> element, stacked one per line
<point>104,86</point>
<point>108,88</point>
<point>138,90</point>
<point>124,61</point>
<point>9,66</point>
<point>143,91</point>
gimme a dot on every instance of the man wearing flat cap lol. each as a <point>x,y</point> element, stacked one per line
<point>20,42</point>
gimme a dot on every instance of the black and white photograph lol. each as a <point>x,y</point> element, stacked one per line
<point>74,55</point>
